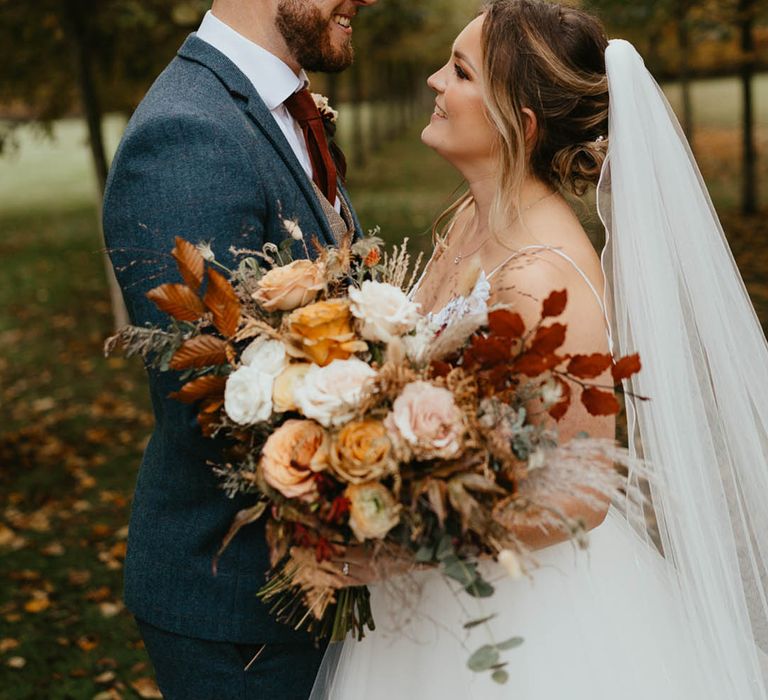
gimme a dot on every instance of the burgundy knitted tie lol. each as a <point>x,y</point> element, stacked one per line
<point>303,109</point>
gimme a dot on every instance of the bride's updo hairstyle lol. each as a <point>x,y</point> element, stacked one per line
<point>550,59</point>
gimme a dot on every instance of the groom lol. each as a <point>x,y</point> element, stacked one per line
<point>226,145</point>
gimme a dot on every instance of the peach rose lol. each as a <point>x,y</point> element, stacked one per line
<point>283,396</point>
<point>322,332</point>
<point>373,511</point>
<point>361,452</point>
<point>290,286</point>
<point>426,422</point>
<point>292,456</point>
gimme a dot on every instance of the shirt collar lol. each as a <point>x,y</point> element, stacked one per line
<point>273,79</point>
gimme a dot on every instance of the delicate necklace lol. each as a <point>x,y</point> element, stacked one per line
<point>460,256</point>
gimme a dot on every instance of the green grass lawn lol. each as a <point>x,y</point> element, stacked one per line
<point>74,424</point>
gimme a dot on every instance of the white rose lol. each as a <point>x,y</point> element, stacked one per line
<point>248,396</point>
<point>384,309</point>
<point>266,355</point>
<point>418,344</point>
<point>330,395</point>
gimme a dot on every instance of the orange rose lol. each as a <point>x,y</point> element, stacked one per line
<point>322,332</point>
<point>361,452</point>
<point>292,456</point>
<point>288,287</point>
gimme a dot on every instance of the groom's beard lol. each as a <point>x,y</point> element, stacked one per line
<point>308,36</point>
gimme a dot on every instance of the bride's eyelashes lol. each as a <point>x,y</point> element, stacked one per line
<point>460,73</point>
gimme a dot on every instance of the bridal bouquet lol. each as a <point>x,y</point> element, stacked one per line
<point>356,421</point>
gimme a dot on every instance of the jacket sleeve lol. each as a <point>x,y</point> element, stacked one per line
<point>180,175</point>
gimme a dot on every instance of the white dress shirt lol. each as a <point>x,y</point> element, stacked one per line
<point>271,77</point>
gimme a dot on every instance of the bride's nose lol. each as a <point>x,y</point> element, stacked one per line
<point>436,81</point>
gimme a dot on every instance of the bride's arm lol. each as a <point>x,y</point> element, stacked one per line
<point>524,288</point>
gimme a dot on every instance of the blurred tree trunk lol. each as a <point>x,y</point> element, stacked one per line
<point>358,137</point>
<point>93,118</point>
<point>746,25</point>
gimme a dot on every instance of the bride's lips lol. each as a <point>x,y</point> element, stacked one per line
<point>439,112</point>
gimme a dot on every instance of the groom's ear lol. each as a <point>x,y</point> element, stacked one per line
<point>531,125</point>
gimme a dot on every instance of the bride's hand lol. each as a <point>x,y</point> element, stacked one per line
<point>358,566</point>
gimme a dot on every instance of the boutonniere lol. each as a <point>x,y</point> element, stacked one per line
<point>327,112</point>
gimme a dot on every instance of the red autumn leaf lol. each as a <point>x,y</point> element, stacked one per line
<point>626,367</point>
<point>221,299</point>
<point>554,304</point>
<point>506,324</point>
<point>531,365</point>
<point>439,369</point>
<point>208,386</point>
<point>177,300</point>
<point>561,407</point>
<point>486,352</point>
<point>190,263</point>
<point>589,366</point>
<point>201,351</point>
<point>599,403</point>
<point>548,339</point>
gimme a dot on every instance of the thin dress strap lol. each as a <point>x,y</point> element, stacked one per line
<point>566,257</point>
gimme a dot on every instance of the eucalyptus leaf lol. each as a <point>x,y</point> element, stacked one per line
<point>444,548</point>
<point>484,658</point>
<point>425,554</point>
<point>511,643</point>
<point>458,570</point>
<point>479,588</point>
<point>500,677</point>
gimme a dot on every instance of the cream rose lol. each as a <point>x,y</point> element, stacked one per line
<point>385,311</point>
<point>330,395</point>
<point>426,421</point>
<point>288,287</point>
<point>373,511</point>
<point>248,395</point>
<point>292,456</point>
<point>266,355</point>
<point>283,393</point>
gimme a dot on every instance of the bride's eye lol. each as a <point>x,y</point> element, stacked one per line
<point>460,74</point>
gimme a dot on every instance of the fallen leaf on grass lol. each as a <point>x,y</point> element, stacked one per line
<point>106,677</point>
<point>87,642</point>
<point>16,662</point>
<point>38,602</point>
<point>99,595</point>
<point>54,549</point>
<point>78,577</point>
<point>108,610</point>
<point>6,535</point>
<point>110,694</point>
<point>7,644</point>
<point>146,688</point>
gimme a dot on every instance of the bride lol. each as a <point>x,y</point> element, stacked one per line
<point>668,603</point>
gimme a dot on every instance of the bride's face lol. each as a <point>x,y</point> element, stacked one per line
<point>459,129</point>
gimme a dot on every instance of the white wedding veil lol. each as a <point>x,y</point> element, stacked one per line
<point>678,299</point>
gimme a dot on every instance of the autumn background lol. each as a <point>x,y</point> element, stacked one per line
<point>73,424</point>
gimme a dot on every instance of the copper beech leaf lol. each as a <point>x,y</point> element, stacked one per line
<point>554,304</point>
<point>222,301</point>
<point>506,324</point>
<point>626,367</point>
<point>208,386</point>
<point>599,403</point>
<point>177,300</point>
<point>190,263</point>
<point>548,339</point>
<point>200,351</point>
<point>561,407</point>
<point>589,366</point>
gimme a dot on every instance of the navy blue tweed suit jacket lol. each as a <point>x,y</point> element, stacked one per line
<point>201,158</point>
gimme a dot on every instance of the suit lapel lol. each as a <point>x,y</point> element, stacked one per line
<point>197,50</point>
